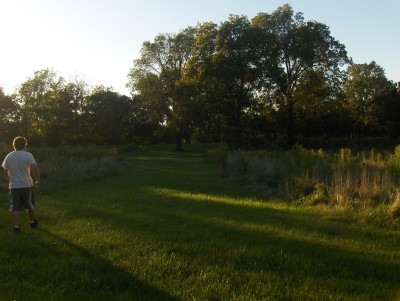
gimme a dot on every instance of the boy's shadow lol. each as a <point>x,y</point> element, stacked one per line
<point>93,275</point>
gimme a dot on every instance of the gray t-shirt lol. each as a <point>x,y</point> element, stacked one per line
<point>19,164</point>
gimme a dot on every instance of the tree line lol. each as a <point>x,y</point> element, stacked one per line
<point>247,82</point>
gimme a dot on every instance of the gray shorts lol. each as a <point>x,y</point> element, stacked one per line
<point>21,199</point>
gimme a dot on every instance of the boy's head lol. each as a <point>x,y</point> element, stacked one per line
<point>20,143</point>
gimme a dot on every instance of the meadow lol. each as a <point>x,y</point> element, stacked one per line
<point>154,224</point>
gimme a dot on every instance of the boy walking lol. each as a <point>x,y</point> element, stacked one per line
<point>18,166</point>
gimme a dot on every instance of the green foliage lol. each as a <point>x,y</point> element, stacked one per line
<point>365,82</point>
<point>394,161</point>
<point>319,196</point>
<point>108,117</point>
<point>305,53</point>
<point>157,78</point>
<point>218,154</point>
<point>394,209</point>
<point>9,117</point>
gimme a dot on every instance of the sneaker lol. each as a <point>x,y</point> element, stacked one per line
<point>35,223</point>
<point>16,228</point>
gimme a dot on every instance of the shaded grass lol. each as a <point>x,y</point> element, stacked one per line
<point>166,227</point>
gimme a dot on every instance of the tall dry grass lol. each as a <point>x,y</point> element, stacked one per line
<point>65,164</point>
<point>343,178</point>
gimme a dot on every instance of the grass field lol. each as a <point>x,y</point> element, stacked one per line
<point>167,227</point>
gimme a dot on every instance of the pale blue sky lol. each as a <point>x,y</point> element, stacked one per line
<point>97,40</point>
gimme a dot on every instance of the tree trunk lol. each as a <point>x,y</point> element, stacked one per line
<point>290,123</point>
<point>179,140</point>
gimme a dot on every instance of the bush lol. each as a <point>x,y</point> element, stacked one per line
<point>394,209</point>
<point>319,196</point>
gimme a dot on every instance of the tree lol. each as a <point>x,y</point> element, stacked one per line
<point>52,109</point>
<point>9,119</point>
<point>226,70</point>
<point>156,75</point>
<point>39,104</point>
<point>319,110</point>
<point>388,113</point>
<point>142,127</point>
<point>72,112</point>
<point>301,47</point>
<point>236,73</point>
<point>365,82</point>
<point>199,77</point>
<point>108,116</point>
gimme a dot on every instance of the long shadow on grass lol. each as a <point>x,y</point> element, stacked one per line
<point>179,214</point>
<point>293,245</point>
<point>48,267</point>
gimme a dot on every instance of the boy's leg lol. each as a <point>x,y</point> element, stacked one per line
<point>33,222</point>
<point>15,220</point>
<point>31,214</point>
<point>15,217</point>
<point>14,201</point>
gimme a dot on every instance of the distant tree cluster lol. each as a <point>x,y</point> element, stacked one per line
<point>52,111</point>
<point>244,82</point>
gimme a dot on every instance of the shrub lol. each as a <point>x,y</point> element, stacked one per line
<point>394,209</point>
<point>320,195</point>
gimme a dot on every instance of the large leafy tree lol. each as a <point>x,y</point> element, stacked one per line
<point>38,97</point>
<point>235,76</point>
<point>238,72</point>
<point>320,110</point>
<point>156,77</point>
<point>302,47</point>
<point>71,109</point>
<point>365,82</point>
<point>388,113</point>
<point>142,129</point>
<point>226,69</point>
<point>199,77</point>
<point>52,109</point>
<point>108,116</point>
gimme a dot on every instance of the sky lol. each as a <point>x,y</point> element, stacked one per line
<point>97,40</point>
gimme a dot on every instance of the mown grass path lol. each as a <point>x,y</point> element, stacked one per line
<point>168,228</point>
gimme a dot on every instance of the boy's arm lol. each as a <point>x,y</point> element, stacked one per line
<point>36,174</point>
<point>6,174</point>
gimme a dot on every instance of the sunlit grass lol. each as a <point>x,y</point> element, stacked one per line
<point>167,227</point>
<point>283,230</point>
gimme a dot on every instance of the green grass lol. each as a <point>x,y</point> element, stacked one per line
<point>167,227</point>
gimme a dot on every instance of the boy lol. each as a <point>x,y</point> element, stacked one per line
<point>18,166</point>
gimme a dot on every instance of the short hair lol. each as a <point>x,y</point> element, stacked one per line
<point>20,143</point>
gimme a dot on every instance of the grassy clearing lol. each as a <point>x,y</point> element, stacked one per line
<point>167,227</point>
